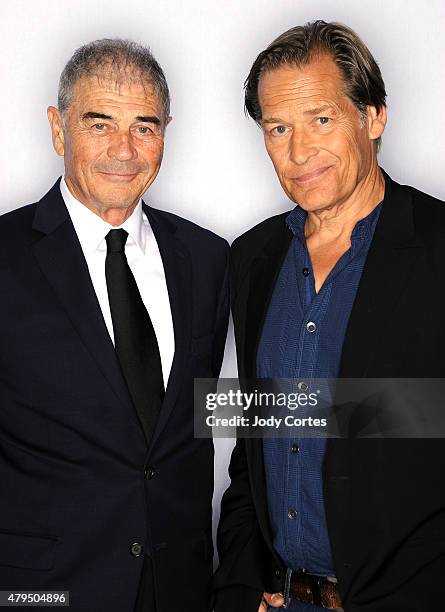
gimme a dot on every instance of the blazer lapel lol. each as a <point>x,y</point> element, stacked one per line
<point>60,257</point>
<point>177,268</point>
<point>264,272</point>
<point>390,260</point>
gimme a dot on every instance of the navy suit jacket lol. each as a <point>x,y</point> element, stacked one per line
<point>79,484</point>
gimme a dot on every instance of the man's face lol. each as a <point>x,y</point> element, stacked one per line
<point>112,141</point>
<point>319,144</point>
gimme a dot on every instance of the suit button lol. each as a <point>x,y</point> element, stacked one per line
<point>149,472</point>
<point>136,549</point>
<point>295,448</point>
<point>277,572</point>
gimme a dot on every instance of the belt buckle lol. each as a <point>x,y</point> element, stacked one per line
<point>312,585</point>
<point>333,580</point>
<point>309,586</point>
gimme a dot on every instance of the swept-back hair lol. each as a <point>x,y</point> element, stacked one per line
<point>363,82</point>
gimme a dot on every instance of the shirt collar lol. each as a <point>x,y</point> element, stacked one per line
<point>295,221</point>
<point>364,229</point>
<point>91,229</point>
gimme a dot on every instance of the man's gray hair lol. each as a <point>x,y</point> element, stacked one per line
<point>116,58</point>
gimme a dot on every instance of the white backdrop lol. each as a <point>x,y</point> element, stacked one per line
<point>215,171</point>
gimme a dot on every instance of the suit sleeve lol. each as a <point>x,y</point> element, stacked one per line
<point>222,321</point>
<point>238,581</point>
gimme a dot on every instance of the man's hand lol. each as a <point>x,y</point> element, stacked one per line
<point>276,600</point>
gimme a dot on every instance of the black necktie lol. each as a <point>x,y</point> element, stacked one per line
<point>134,337</point>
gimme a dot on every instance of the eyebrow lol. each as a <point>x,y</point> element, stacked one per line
<point>92,115</point>
<point>149,119</point>
<point>144,118</point>
<point>311,111</point>
<point>273,120</point>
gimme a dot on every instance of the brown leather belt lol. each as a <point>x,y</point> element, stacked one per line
<point>318,590</point>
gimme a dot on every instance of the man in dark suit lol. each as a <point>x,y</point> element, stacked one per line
<point>109,309</point>
<point>349,284</point>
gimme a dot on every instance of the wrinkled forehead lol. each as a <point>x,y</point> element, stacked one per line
<point>319,79</point>
<point>130,82</point>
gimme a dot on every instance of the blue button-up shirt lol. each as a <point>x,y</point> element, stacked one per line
<point>290,348</point>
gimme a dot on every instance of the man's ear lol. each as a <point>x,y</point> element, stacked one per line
<point>56,124</point>
<point>376,121</point>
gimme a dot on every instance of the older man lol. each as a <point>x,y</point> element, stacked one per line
<point>350,283</point>
<point>109,309</point>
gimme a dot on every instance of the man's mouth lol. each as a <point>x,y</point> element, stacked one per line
<point>310,176</point>
<point>119,176</point>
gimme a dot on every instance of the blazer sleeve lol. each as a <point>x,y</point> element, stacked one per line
<point>238,581</point>
<point>222,320</point>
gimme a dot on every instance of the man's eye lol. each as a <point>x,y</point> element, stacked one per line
<point>99,127</point>
<point>323,120</point>
<point>143,129</point>
<point>279,129</point>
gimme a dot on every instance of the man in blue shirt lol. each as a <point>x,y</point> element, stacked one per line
<point>325,291</point>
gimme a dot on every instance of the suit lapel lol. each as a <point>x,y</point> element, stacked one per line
<point>62,262</point>
<point>390,260</point>
<point>263,275</point>
<point>389,263</point>
<point>177,268</point>
<point>264,272</point>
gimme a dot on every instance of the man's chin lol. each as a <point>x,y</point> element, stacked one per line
<point>308,204</point>
<point>311,201</point>
<point>106,201</point>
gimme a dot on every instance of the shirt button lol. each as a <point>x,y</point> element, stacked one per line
<point>295,448</point>
<point>149,472</point>
<point>302,386</point>
<point>292,514</point>
<point>136,549</point>
<point>305,271</point>
<point>311,327</point>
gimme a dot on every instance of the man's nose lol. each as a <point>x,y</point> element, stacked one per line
<point>302,147</point>
<point>121,148</point>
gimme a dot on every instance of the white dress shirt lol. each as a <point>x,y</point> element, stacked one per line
<point>144,259</point>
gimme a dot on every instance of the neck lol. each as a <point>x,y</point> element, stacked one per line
<point>340,219</point>
<point>115,216</point>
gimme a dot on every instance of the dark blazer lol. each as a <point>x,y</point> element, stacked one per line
<point>79,485</point>
<point>385,499</point>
